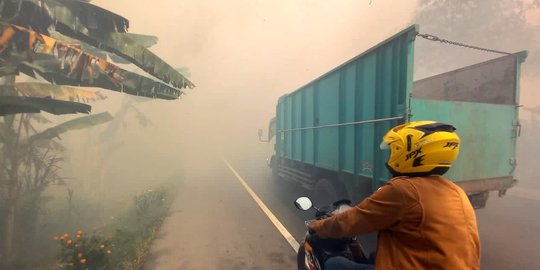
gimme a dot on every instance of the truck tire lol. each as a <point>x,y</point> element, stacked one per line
<point>478,200</point>
<point>275,169</point>
<point>325,192</point>
<point>275,175</point>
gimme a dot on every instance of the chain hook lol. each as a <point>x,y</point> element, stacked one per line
<point>429,37</point>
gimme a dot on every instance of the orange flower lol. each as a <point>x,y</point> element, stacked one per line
<point>102,246</point>
<point>109,251</point>
<point>62,238</point>
<point>82,260</point>
<point>69,242</point>
<point>79,232</point>
<point>65,235</point>
<point>78,236</point>
<point>55,238</point>
<point>80,254</point>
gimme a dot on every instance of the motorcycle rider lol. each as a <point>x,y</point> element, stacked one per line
<point>424,221</point>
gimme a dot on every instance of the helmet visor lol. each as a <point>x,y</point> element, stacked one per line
<point>384,146</point>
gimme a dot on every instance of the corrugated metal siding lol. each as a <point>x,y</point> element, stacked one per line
<point>309,135</point>
<point>297,121</point>
<point>328,114</point>
<point>371,86</point>
<point>349,110</point>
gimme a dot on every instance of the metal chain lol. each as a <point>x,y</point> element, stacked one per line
<point>435,38</point>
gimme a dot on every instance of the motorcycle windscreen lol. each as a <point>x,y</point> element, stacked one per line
<point>481,102</point>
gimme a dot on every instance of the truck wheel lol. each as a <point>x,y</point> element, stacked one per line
<point>275,169</point>
<point>325,192</point>
<point>479,200</point>
<point>275,174</point>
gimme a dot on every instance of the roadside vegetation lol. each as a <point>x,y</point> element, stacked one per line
<point>123,243</point>
<point>77,188</point>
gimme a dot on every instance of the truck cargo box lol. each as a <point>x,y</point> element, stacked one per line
<point>329,130</point>
<point>482,102</point>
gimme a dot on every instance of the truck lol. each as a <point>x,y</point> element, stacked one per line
<point>327,132</point>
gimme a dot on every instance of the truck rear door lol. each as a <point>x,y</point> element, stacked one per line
<point>481,101</point>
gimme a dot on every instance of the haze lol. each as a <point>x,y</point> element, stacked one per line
<point>242,56</point>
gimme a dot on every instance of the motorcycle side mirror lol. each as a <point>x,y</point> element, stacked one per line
<point>303,203</point>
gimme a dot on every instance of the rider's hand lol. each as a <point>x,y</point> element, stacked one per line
<point>312,226</point>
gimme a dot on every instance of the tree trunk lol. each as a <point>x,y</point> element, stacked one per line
<point>9,233</point>
<point>7,88</point>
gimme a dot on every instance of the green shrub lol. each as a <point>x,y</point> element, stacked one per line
<point>149,207</point>
<point>84,251</point>
<point>130,237</point>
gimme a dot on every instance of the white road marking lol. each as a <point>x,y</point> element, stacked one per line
<point>294,244</point>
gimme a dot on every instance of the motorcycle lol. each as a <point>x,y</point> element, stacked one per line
<point>315,251</point>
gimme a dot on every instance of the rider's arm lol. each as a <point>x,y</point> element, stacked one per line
<point>379,211</point>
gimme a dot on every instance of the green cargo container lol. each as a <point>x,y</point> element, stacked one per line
<point>482,102</point>
<point>328,131</point>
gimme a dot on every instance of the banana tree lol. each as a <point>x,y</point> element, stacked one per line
<point>97,27</point>
<point>29,162</point>
<point>29,159</point>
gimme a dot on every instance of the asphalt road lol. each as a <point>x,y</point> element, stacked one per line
<point>216,224</point>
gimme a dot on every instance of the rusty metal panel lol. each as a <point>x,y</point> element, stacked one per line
<point>486,82</point>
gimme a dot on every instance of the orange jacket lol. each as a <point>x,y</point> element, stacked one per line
<point>423,223</point>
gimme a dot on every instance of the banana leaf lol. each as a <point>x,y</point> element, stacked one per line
<point>90,16</point>
<point>28,13</point>
<point>184,71</point>
<point>78,123</point>
<point>18,104</point>
<point>39,15</point>
<point>130,50</point>
<point>132,83</point>
<point>58,92</point>
<point>104,37</point>
<point>145,40</point>
<point>102,29</point>
<point>63,63</point>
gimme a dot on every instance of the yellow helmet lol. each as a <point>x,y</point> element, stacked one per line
<point>421,148</point>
